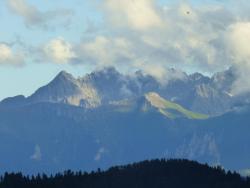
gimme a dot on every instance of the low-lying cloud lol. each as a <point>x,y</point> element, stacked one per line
<point>238,37</point>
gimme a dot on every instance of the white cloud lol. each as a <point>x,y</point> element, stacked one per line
<point>158,71</point>
<point>181,36</point>
<point>138,15</point>
<point>59,51</point>
<point>237,38</point>
<point>238,41</point>
<point>154,70</point>
<point>104,51</point>
<point>9,57</point>
<point>5,52</point>
<point>32,16</point>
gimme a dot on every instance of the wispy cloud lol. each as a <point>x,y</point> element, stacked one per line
<point>33,17</point>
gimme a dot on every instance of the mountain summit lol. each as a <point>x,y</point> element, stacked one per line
<point>64,88</point>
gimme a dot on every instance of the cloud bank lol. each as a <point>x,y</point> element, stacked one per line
<point>156,37</point>
<point>146,35</point>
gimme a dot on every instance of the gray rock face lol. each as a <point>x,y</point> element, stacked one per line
<point>68,90</point>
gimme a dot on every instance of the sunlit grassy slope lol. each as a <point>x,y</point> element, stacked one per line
<point>171,109</point>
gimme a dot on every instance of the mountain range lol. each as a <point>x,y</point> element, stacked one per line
<point>107,118</point>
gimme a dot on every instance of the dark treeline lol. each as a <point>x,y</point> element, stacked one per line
<point>147,174</point>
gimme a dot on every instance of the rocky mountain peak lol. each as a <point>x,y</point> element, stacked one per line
<point>64,76</point>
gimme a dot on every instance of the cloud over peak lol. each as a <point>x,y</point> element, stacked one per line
<point>238,38</point>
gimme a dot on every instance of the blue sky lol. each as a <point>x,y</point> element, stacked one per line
<point>25,79</point>
<point>39,38</point>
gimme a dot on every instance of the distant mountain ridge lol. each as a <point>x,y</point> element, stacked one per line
<point>195,92</point>
<point>106,118</point>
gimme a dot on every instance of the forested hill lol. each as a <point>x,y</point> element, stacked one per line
<point>147,174</point>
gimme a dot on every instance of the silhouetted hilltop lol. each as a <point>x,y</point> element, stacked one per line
<point>146,174</point>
